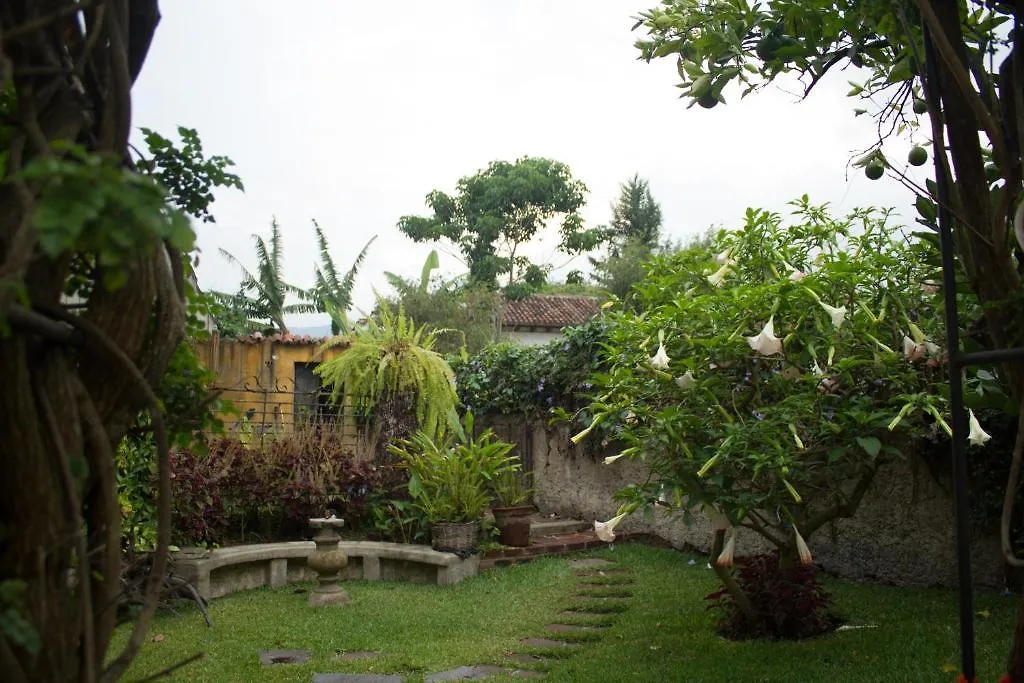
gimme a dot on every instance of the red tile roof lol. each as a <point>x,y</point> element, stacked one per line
<point>286,339</point>
<point>553,311</point>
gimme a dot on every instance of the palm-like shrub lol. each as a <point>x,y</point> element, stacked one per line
<point>393,378</point>
<point>260,302</point>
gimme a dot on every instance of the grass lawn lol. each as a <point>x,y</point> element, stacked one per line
<point>661,633</point>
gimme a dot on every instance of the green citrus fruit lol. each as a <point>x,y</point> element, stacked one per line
<point>920,106</point>
<point>918,155</point>
<point>663,21</point>
<point>874,170</point>
<point>707,100</point>
<point>767,47</point>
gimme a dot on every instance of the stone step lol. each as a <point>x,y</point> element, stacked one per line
<point>548,545</point>
<point>544,527</point>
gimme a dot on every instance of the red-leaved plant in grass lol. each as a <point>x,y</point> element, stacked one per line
<point>272,488</point>
<point>789,600</point>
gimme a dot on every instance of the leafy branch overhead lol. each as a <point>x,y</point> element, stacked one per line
<point>497,211</point>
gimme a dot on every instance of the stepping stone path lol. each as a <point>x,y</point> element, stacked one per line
<point>589,570</point>
<point>271,657</point>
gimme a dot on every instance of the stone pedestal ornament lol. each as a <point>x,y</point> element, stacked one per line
<point>327,561</point>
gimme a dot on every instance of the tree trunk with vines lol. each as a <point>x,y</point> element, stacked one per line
<point>73,382</point>
<point>983,228</point>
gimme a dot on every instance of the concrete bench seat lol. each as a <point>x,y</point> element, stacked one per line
<point>219,572</point>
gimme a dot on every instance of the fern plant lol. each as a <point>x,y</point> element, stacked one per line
<point>390,366</point>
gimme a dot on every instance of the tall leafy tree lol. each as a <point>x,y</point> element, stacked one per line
<point>498,210</point>
<point>633,235</point>
<point>333,294</point>
<point>636,217</point>
<point>949,73</point>
<point>262,295</point>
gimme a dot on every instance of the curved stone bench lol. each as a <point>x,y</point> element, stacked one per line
<point>219,572</point>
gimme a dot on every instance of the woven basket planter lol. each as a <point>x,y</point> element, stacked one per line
<point>452,537</point>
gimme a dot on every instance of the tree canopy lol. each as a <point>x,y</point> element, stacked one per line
<point>498,210</point>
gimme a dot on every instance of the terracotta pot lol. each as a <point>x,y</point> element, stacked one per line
<point>514,525</point>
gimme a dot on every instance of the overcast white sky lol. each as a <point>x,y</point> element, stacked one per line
<point>351,112</point>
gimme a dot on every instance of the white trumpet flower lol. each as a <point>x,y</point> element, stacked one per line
<point>766,343</point>
<point>660,359</point>
<point>717,279</point>
<point>606,530</point>
<point>977,436</point>
<point>686,381</point>
<point>801,548</point>
<point>725,559</point>
<point>838,315</point>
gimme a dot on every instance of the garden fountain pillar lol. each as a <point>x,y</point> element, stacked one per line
<point>327,561</point>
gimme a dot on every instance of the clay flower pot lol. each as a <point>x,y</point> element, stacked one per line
<point>514,524</point>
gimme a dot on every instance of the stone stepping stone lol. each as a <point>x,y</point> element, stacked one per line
<point>604,592</point>
<point>611,571</point>
<point>590,563</point>
<point>599,619</point>
<point>574,628</point>
<point>271,657</point>
<point>611,585</point>
<point>357,678</point>
<point>547,642</point>
<point>521,658</point>
<point>355,655</point>
<point>599,598</point>
<point>597,608</point>
<point>466,673</point>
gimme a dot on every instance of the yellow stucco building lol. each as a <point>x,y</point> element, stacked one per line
<point>270,381</point>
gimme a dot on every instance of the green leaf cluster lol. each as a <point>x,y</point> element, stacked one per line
<point>187,174</point>
<point>451,479</point>
<point>511,379</point>
<point>91,204</point>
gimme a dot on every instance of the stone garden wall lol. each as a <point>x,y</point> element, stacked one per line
<point>902,533</point>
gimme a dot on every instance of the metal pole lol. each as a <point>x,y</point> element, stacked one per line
<point>959,455</point>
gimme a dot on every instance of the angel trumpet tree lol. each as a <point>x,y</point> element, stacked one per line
<point>788,419</point>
